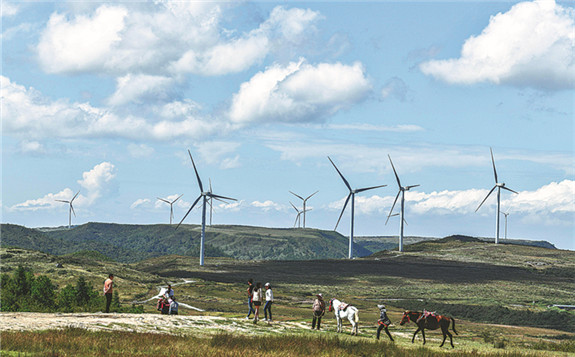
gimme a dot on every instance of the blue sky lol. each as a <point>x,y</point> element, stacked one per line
<point>106,98</point>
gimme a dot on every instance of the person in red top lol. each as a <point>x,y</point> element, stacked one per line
<point>108,286</point>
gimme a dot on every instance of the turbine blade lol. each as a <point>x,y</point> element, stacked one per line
<point>395,172</point>
<point>190,210</point>
<point>340,174</point>
<point>210,184</point>
<point>72,208</point>
<point>368,188</point>
<point>161,199</point>
<point>63,201</point>
<point>196,170</point>
<point>294,207</point>
<point>508,189</point>
<point>493,161</point>
<point>412,186</point>
<point>392,206</point>
<point>404,221</point>
<point>174,201</point>
<point>76,195</point>
<point>298,196</point>
<point>217,199</point>
<point>308,197</point>
<point>486,198</point>
<point>222,197</point>
<point>342,210</point>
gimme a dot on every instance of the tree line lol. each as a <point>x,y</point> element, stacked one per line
<point>23,291</point>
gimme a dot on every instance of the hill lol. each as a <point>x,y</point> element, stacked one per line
<point>131,243</point>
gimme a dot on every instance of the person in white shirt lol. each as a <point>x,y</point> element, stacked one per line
<point>173,306</point>
<point>257,301</point>
<point>269,302</point>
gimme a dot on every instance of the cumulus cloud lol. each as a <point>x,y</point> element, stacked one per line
<point>531,45</point>
<point>299,92</point>
<point>268,205</point>
<point>95,183</point>
<point>32,147</point>
<point>140,202</point>
<point>215,152</point>
<point>8,9</point>
<point>141,88</point>
<point>548,202</point>
<point>27,112</point>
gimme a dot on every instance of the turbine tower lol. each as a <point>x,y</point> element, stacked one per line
<point>205,196</point>
<point>401,192</point>
<point>71,210</point>
<point>304,201</point>
<point>351,195</point>
<point>171,203</point>
<point>298,217</point>
<point>499,186</point>
<point>505,214</point>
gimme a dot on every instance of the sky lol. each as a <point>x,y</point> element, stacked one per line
<point>106,99</point>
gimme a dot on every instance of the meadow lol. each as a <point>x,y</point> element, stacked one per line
<point>499,295</point>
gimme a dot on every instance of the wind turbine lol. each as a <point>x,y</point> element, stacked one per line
<point>171,203</point>
<point>304,201</point>
<point>205,196</point>
<point>298,217</point>
<point>71,209</point>
<point>499,186</point>
<point>211,203</point>
<point>505,214</point>
<point>351,195</point>
<point>401,191</point>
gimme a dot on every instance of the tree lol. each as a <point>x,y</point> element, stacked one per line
<point>67,298</point>
<point>43,292</point>
<point>82,292</point>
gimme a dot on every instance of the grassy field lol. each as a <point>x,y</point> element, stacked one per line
<point>482,285</point>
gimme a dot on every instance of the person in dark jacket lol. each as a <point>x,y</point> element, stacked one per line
<point>383,321</point>
<point>250,292</point>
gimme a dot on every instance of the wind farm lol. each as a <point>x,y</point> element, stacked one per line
<point>171,203</point>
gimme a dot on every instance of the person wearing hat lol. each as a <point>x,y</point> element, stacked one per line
<point>383,321</point>
<point>318,311</point>
<point>269,302</point>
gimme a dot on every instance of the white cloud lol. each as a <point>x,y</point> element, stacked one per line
<point>299,92</point>
<point>26,112</point>
<point>554,202</point>
<point>141,88</point>
<point>8,9</point>
<point>268,205</point>
<point>140,202</point>
<point>530,45</point>
<point>214,152</point>
<point>95,183</point>
<point>402,128</point>
<point>32,147</point>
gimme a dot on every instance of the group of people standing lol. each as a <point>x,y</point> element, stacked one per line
<point>256,298</point>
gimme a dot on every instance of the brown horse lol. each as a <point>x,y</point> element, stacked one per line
<point>430,323</point>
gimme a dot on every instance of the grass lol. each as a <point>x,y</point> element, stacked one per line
<point>80,342</point>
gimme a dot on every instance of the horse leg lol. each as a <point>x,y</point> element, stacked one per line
<point>444,336</point>
<point>423,334</point>
<point>415,333</point>
<point>450,338</point>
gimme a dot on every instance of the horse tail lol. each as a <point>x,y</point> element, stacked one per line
<point>356,316</point>
<point>453,325</point>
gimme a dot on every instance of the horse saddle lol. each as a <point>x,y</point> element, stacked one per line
<point>343,306</point>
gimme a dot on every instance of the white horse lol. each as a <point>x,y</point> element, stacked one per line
<point>350,312</point>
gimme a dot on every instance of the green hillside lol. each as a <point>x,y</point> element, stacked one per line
<point>131,243</point>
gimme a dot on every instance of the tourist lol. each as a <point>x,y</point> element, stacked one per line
<point>250,292</point>
<point>108,287</point>
<point>173,306</point>
<point>383,321</point>
<point>257,301</point>
<point>269,302</point>
<point>318,311</point>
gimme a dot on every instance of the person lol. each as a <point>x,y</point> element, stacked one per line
<point>250,292</point>
<point>257,301</point>
<point>108,288</point>
<point>318,311</point>
<point>383,321</point>
<point>169,292</point>
<point>269,302</point>
<point>173,306</point>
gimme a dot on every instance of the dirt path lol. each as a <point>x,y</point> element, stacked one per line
<point>155,323</point>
